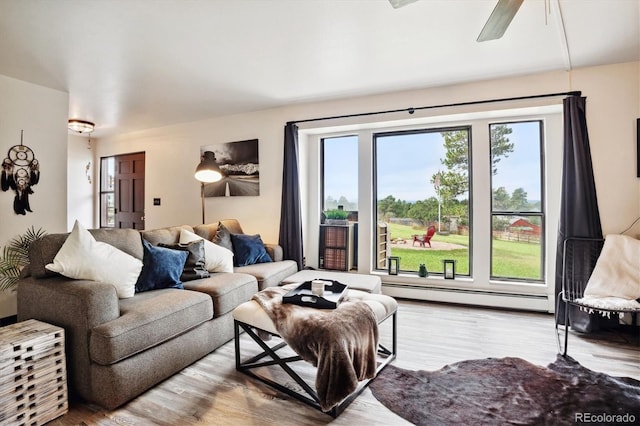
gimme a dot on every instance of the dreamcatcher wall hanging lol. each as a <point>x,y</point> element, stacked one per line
<point>20,171</point>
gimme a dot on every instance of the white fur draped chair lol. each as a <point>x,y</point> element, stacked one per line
<point>600,276</point>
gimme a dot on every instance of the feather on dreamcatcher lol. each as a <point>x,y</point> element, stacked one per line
<point>20,171</point>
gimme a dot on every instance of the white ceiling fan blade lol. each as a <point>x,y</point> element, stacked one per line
<point>499,19</point>
<point>399,3</point>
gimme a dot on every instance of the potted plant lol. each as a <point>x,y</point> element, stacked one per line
<point>15,256</point>
<point>336,217</point>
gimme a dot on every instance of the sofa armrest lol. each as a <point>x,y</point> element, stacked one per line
<point>75,305</point>
<point>274,251</point>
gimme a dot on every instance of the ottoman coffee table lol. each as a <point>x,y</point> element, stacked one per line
<point>342,344</point>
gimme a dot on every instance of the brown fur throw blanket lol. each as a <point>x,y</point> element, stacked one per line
<point>342,343</point>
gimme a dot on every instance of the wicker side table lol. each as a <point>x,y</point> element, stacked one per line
<point>33,373</point>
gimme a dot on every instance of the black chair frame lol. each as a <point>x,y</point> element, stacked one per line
<point>579,257</point>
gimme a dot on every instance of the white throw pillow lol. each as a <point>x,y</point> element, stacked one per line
<point>82,257</point>
<point>216,258</point>
<point>617,270</point>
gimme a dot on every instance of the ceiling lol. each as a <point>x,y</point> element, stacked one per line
<point>136,64</point>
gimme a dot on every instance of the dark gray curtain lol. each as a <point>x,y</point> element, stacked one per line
<point>579,215</point>
<point>290,217</point>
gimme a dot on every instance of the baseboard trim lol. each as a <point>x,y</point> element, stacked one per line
<point>528,302</point>
<point>8,320</point>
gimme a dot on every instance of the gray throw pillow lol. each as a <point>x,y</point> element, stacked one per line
<point>223,237</point>
<point>194,268</point>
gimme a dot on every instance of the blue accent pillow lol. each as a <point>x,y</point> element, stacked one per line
<point>248,250</point>
<point>161,268</point>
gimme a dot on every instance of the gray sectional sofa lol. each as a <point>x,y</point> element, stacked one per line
<point>118,348</point>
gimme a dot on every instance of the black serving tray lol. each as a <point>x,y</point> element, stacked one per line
<point>302,295</point>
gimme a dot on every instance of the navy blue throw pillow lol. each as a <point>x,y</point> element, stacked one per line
<point>161,268</point>
<point>248,250</point>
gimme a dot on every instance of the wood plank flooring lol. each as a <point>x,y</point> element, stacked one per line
<point>430,335</point>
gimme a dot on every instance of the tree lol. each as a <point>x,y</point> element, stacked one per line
<point>390,207</point>
<point>500,145</point>
<point>385,206</point>
<point>342,201</point>
<point>519,200</point>
<point>454,181</point>
<point>424,211</point>
<point>330,203</point>
<point>501,199</point>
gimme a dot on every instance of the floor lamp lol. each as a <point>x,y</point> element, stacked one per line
<point>207,171</point>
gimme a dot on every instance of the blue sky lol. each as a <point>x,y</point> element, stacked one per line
<point>407,162</point>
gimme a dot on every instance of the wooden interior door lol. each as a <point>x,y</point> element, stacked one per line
<point>129,191</point>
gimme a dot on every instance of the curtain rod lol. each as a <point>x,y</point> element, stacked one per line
<point>411,110</point>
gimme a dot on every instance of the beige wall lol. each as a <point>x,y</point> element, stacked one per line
<point>612,110</point>
<point>42,114</point>
<point>80,181</point>
<point>613,104</point>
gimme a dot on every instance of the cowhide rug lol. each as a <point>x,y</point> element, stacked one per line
<point>508,391</point>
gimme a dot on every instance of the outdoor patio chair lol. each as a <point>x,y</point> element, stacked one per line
<point>426,238</point>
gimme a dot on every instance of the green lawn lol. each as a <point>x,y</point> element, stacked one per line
<point>511,258</point>
<point>515,259</point>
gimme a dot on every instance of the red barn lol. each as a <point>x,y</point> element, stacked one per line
<point>523,226</point>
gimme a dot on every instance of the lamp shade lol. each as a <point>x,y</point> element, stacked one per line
<point>208,170</point>
<point>80,126</point>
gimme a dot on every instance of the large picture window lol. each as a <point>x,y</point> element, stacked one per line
<point>422,187</point>
<point>470,188</point>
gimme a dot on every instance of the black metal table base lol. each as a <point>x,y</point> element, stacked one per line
<point>310,396</point>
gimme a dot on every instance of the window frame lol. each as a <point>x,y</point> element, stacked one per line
<point>103,192</point>
<point>414,131</point>
<point>323,163</point>
<point>541,214</point>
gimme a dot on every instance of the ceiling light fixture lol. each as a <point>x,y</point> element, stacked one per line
<point>81,126</point>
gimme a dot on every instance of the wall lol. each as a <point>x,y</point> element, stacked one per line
<point>81,172</point>
<point>172,154</point>
<point>613,104</point>
<point>612,110</point>
<point>42,114</point>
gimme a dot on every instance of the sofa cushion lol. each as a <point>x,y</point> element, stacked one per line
<point>82,257</point>
<point>248,250</point>
<point>269,274</point>
<point>168,235</point>
<point>146,320</point>
<point>125,239</point>
<point>195,267</point>
<point>226,290</point>
<point>161,268</point>
<point>216,258</point>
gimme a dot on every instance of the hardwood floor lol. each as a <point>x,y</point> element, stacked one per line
<point>430,335</point>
